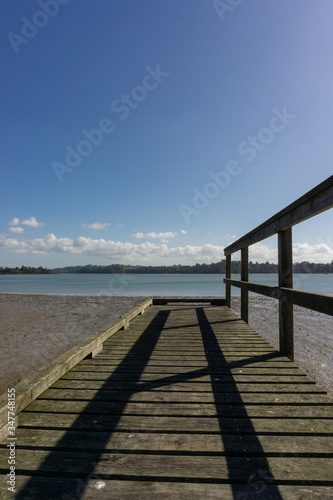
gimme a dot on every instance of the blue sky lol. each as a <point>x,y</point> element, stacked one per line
<point>157,132</point>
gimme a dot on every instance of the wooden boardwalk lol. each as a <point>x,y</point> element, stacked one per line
<point>187,403</point>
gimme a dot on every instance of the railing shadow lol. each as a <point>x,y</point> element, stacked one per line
<point>242,469</point>
<point>77,483</point>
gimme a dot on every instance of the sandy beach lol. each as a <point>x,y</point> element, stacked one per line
<point>313,336</point>
<point>35,329</point>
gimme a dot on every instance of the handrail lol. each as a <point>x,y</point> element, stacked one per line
<point>312,203</point>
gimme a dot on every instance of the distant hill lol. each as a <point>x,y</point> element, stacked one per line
<point>215,268</point>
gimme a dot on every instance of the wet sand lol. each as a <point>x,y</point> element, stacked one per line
<point>35,329</point>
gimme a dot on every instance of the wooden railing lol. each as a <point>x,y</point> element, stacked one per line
<point>312,203</point>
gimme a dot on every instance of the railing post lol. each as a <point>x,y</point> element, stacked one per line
<point>228,275</point>
<point>286,321</point>
<point>245,277</point>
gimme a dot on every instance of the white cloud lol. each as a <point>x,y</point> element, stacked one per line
<point>96,225</point>
<point>32,222</point>
<point>14,222</point>
<point>153,235</point>
<point>261,253</point>
<point>183,231</point>
<point>145,251</point>
<point>148,251</point>
<point>15,230</point>
<point>120,224</point>
<point>319,253</point>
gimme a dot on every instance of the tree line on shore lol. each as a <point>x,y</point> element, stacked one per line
<point>215,268</point>
<point>24,270</point>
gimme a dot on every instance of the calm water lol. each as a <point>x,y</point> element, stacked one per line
<point>199,285</point>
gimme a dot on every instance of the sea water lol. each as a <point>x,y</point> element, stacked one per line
<point>152,285</point>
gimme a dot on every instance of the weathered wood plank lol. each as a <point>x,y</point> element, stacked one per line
<point>197,377</point>
<point>190,443</point>
<point>113,489</point>
<point>110,367</point>
<point>98,422</point>
<point>300,469</point>
<point>193,385</point>
<point>190,409</point>
<point>73,389</point>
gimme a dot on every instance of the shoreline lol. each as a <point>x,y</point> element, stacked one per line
<point>35,329</point>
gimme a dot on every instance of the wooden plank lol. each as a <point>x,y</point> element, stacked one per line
<point>236,360</point>
<point>97,388</point>
<point>200,409</point>
<point>240,376</point>
<point>197,377</point>
<point>191,348</point>
<point>99,422</point>
<point>273,365</point>
<point>203,444</point>
<point>113,489</point>
<point>299,469</point>
<point>110,367</point>
<point>193,385</point>
<point>193,300</point>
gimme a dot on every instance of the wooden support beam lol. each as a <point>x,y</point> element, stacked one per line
<point>314,301</point>
<point>245,277</point>
<point>286,320</point>
<point>186,300</point>
<point>228,276</point>
<point>95,352</point>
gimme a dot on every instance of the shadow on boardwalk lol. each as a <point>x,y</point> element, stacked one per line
<point>66,472</point>
<point>75,489</point>
<point>260,476</point>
